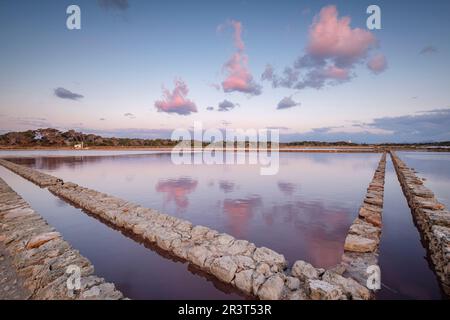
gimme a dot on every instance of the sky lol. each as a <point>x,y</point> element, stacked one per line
<point>311,69</point>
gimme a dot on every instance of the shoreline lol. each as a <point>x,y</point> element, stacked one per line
<point>320,149</point>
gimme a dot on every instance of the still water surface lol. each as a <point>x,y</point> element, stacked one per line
<point>303,212</point>
<point>139,272</point>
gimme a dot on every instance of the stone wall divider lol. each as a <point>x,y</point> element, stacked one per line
<point>257,271</point>
<point>431,217</point>
<point>42,257</point>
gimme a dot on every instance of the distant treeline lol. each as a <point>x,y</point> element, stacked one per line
<point>55,138</point>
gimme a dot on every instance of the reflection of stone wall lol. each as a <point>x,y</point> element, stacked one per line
<point>57,162</point>
<point>40,255</point>
<point>431,217</point>
<point>256,271</point>
<point>363,239</point>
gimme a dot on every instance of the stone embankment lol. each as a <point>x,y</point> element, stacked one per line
<point>257,271</point>
<point>363,239</point>
<point>40,257</point>
<point>431,217</point>
<point>11,285</point>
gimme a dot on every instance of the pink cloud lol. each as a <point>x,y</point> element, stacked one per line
<point>377,63</point>
<point>333,50</point>
<point>331,37</point>
<point>239,77</point>
<point>176,101</point>
<point>238,43</point>
<point>177,190</point>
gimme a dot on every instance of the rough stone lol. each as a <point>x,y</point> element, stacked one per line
<point>264,269</point>
<point>104,291</point>
<point>199,232</point>
<point>370,216</point>
<point>422,191</point>
<point>292,283</point>
<point>165,237</point>
<point>304,271</point>
<point>352,288</point>
<point>428,203</point>
<point>239,247</point>
<point>338,269</point>
<point>39,240</point>
<point>184,226</point>
<point>180,248</point>
<point>374,201</point>
<point>224,239</point>
<point>297,295</point>
<point>17,213</point>
<point>270,257</point>
<point>258,280</point>
<point>141,228</point>
<point>272,289</point>
<point>244,262</point>
<point>440,218</point>
<point>197,255</point>
<point>224,268</point>
<point>243,280</point>
<point>322,290</point>
<point>365,229</point>
<point>359,244</point>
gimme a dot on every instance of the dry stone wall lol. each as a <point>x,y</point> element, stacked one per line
<point>256,271</point>
<point>40,256</point>
<point>363,239</point>
<point>431,217</point>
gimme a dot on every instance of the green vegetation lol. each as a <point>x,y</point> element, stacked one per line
<point>55,138</point>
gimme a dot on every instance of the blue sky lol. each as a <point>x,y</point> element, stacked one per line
<point>108,77</point>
